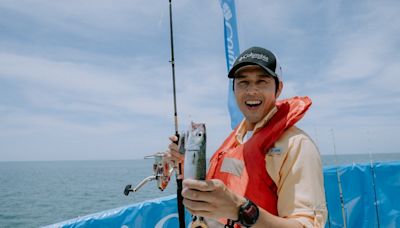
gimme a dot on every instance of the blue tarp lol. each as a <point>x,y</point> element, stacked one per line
<point>357,182</point>
<point>358,196</point>
<point>158,213</point>
<point>388,189</point>
<point>369,195</point>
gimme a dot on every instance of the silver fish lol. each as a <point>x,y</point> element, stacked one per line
<point>195,152</point>
<point>195,161</point>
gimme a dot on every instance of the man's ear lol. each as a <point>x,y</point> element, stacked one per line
<point>280,87</point>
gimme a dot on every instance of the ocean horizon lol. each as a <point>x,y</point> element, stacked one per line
<point>38,193</point>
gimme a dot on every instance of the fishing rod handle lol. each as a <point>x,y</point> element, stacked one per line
<point>178,136</point>
<point>181,149</point>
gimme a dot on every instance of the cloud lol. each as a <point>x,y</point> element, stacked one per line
<point>62,75</point>
<point>76,16</point>
<point>67,98</point>
<point>96,73</point>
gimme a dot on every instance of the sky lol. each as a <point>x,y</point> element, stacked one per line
<point>91,80</point>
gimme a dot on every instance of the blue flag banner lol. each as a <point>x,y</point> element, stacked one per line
<point>357,183</point>
<point>231,52</point>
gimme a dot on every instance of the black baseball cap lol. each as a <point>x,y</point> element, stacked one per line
<point>258,56</point>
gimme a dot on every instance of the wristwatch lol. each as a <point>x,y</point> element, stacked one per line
<point>248,214</point>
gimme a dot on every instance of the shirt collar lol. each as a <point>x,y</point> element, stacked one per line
<point>242,129</point>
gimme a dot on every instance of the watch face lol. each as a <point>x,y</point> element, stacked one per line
<point>249,214</point>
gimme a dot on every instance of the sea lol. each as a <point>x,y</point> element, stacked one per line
<point>38,193</point>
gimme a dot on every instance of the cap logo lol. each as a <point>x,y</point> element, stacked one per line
<point>254,56</point>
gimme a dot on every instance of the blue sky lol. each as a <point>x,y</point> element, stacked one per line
<point>91,79</point>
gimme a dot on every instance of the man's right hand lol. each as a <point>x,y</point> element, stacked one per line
<point>172,155</point>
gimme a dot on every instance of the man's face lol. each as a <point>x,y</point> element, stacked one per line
<point>255,93</point>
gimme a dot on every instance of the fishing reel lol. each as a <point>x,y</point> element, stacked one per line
<point>161,173</point>
<point>162,170</point>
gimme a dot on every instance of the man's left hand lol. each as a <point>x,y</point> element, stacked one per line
<point>211,199</point>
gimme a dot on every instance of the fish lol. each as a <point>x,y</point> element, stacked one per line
<point>195,152</point>
<point>195,161</point>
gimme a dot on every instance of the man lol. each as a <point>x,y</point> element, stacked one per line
<point>268,172</point>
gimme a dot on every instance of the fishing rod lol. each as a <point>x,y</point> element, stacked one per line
<point>373,178</point>
<point>339,182</point>
<point>162,170</point>
<point>178,170</point>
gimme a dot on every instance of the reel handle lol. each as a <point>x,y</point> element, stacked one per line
<point>128,189</point>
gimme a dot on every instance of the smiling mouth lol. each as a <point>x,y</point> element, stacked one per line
<point>253,103</point>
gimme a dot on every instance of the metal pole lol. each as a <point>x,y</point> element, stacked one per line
<point>373,179</point>
<point>317,142</point>
<point>181,208</point>
<point>339,182</point>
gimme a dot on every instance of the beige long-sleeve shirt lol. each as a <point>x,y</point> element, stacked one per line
<point>294,165</point>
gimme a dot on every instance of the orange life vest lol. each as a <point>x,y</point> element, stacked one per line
<point>252,180</point>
